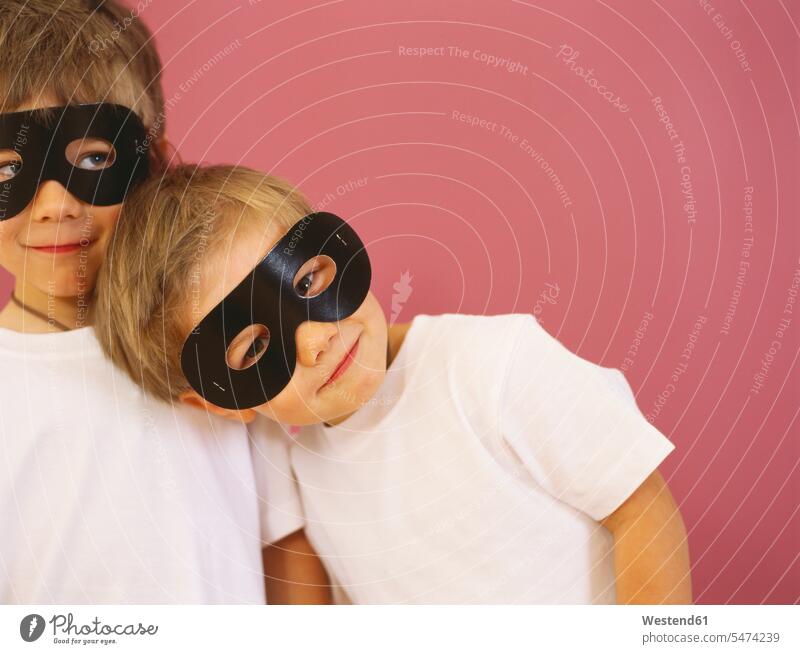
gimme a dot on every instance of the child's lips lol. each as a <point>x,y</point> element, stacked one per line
<point>344,364</point>
<point>61,248</point>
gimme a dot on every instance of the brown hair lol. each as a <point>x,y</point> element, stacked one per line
<point>81,51</point>
<point>168,228</point>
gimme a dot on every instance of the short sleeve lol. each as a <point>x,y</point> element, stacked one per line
<point>619,384</point>
<point>280,510</point>
<point>574,424</point>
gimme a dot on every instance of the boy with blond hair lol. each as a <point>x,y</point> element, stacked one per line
<point>107,496</point>
<point>455,459</point>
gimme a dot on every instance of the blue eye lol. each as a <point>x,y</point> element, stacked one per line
<point>9,170</point>
<point>90,153</point>
<point>95,161</point>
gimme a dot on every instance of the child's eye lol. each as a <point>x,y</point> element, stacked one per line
<point>90,154</point>
<point>314,276</point>
<point>94,161</point>
<point>9,170</point>
<point>303,287</point>
<point>247,347</point>
<point>254,352</point>
<point>10,164</point>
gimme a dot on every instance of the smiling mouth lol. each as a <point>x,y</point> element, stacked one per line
<point>63,248</point>
<point>344,364</point>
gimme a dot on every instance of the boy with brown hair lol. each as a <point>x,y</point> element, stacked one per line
<point>108,496</point>
<point>456,459</point>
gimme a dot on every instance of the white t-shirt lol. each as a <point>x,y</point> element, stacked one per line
<point>477,472</point>
<point>110,496</point>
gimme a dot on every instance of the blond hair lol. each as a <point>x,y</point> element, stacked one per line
<point>167,230</point>
<point>81,51</point>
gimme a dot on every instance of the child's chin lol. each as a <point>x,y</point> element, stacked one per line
<point>362,391</point>
<point>67,286</point>
<point>370,383</point>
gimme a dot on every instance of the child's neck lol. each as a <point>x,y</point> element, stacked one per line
<point>397,334</point>
<point>37,312</point>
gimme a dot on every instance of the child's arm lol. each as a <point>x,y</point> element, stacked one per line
<point>293,573</point>
<point>651,554</point>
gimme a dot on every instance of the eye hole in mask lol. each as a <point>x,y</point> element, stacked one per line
<point>10,165</point>
<point>314,276</point>
<point>90,154</point>
<point>247,347</point>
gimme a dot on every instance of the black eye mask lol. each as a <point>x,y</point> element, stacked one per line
<point>267,296</point>
<point>40,139</point>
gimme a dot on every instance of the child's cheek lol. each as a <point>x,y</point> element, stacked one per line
<point>103,219</point>
<point>8,233</point>
<point>288,407</point>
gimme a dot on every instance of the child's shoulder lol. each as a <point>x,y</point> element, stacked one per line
<point>518,341</point>
<point>465,358</point>
<point>469,346</point>
<point>454,331</point>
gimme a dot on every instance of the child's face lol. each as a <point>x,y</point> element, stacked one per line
<point>57,243</point>
<point>356,346</point>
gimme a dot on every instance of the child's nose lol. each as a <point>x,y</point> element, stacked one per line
<point>313,339</point>
<point>54,202</point>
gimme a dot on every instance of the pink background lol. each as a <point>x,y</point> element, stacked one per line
<point>319,93</point>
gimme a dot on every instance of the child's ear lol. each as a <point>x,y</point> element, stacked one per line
<point>198,401</point>
<point>164,153</point>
